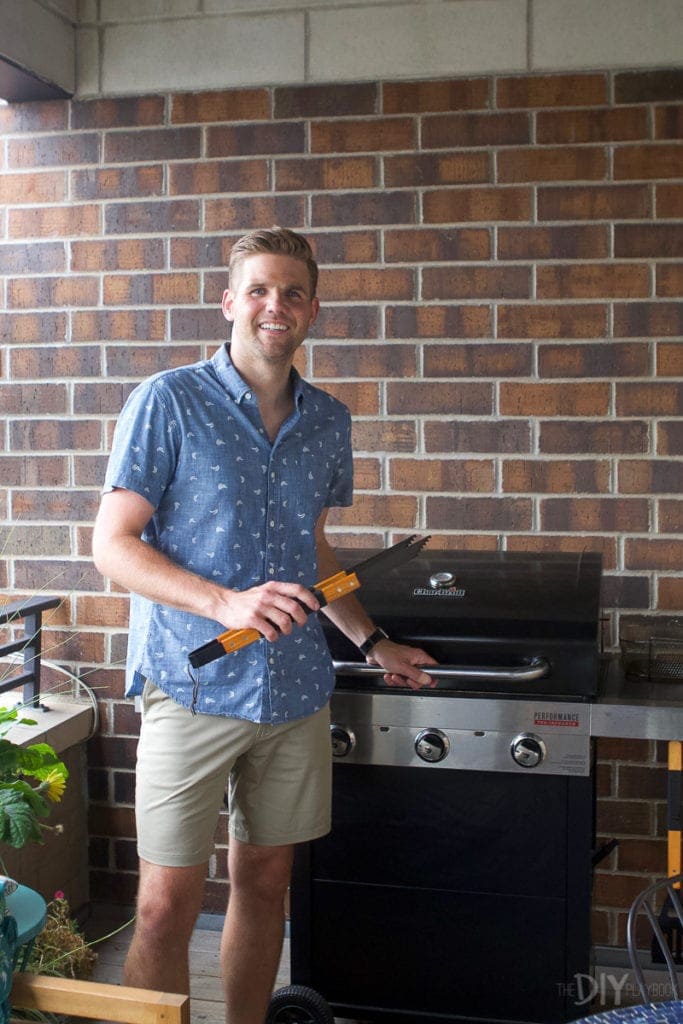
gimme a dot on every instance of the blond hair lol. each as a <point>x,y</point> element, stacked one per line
<point>278,241</point>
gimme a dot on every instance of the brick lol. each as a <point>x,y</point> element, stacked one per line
<point>346,323</point>
<point>63,506</point>
<point>41,362</point>
<point>670,437</point>
<point>625,592</point>
<point>120,325</point>
<point>653,553</point>
<point>107,683</point>
<point>648,86</point>
<point>508,514</point>
<point>670,594</point>
<point>592,281</point>
<point>563,321</point>
<point>648,161</point>
<point>374,136</point>
<point>552,91</point>
<point>151,289</point>
<point>427,245</point>
<point>47,471</point>
<point>670,515</point>
<point>617,890</point>
<point>247,213</point>
<point>645,783</point>
<point>32,258</point>
<point>364,208</point>
<point>126,254</point>
<point>587,437</point>
<point>642,855</point>
<point>124,361</point>
<point>214,286</point>
<point>256,139</point>
<point>623,750</point>
<point>467,475</point>
<point>624,817</point>
<point>23,539</point>
<point>55,435</point>
<point>34,117</point>
<point>99,397</point>
<point>477,204</point>
<point>476,282</point>
<point>438,321</point>
<point>117,182</point>
<point>655,399</point>
<point>669,358</point>
<point>448,168</point>
<point>669,280</point>
<point>669,200</point>
<point>487,129</point>
<point>557,476</point>
<point>578,242</point>
<point>424,397</point>
<point>473,360</point>
<point>102,610</point>
<point>220,105</point>
<point>659,241</point>
<point>562,399</point>
<point>304,101</point>
<point>202,251</point>
<point>669,122</point>
<point>54,221</point>
<point>495,437</point>
<point>30,574</point>
<point>151,217</point>
<point>32,292</point>
<point>45,328</point>
<point>89,470</point>
<point>601,515</point>
<point>361,397</point>
<point>346,246</point>
<point>560,163</point>
<point>594,202</point>
<point>606,546</point>
<point>311,174</point>
<point>37,399</point>
<point>604,359</point>
<point>427,96</point>
<point>149,144</point>
<point>384,436</point>
<point>377,510</point>
<point>45,187</point>
<point>136,111</point>
<point>656,476</point>
<point>363,285</point>
<point>218,176</point>
<point>595,125</point>
<point>351,361</point>
<point>648,319</point>
<point>198,325</point>
<point>53,150</point>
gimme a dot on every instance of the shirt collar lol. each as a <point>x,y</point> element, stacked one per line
<point>238,388</point>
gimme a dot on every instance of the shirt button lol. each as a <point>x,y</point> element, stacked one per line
<point>272,522</point>
<point>271,571</point>
<point>248,395</point>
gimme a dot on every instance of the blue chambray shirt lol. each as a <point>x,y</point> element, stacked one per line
<point>238,510</point>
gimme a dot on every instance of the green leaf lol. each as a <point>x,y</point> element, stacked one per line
<point>18,823</point>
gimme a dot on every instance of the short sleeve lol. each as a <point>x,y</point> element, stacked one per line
<point>341,486</point>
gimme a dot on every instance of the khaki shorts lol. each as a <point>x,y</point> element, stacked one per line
<point>280,780</point>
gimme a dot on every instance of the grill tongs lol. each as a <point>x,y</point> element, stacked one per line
<point>328,590</point>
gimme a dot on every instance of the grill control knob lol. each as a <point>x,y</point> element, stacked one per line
<point>528,751</point>
<point>432,745</point>
<point>442,580</point>
<point>343,740</point>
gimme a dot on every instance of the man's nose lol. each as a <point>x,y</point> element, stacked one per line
<point>276,300</point>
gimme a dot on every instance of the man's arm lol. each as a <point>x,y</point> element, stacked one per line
<point>399,660</point>
<point>121,554</point>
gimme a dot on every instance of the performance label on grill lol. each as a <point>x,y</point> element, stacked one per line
<point>566,719</point>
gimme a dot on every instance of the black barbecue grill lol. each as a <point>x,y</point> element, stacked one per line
<point>463,894</point>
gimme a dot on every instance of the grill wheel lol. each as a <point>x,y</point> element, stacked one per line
<point>298,1004</point>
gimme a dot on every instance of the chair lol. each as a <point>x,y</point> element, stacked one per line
<point>98,1001</point>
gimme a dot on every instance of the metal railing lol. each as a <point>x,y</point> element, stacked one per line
<point>30,611</point>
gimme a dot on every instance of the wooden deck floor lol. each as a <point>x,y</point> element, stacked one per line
<point>205,987</point>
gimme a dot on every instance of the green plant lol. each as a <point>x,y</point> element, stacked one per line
<point>23,805</point>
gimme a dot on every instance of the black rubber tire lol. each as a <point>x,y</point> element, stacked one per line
<point>298,1004</point>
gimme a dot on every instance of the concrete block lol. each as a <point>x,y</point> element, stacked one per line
<point>418,40</point>
<point>39,40</point>
<point>87,62</point>
<point>223,6</point>
<point>87,12</point>
<point>150,10</point>
<point>207,53</point>
<point>608,33</point>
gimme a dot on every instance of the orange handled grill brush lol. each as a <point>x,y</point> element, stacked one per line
<point>328,590</point>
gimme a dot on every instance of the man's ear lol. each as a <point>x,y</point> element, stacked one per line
<point>226,304</point>
<point>315,309</point>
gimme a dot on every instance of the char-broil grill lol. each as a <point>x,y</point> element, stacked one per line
<point>456,882</point>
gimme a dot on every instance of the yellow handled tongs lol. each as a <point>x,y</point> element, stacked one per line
<point>328,590</point>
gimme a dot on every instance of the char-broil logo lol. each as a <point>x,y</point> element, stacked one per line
<point>439,592</point>
<point>567,719</point>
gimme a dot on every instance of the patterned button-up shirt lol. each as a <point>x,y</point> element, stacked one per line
<point>237,510</point>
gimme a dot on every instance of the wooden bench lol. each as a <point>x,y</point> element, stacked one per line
<point>97,1001</point>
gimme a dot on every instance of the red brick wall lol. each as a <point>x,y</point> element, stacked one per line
<point>501,284</point>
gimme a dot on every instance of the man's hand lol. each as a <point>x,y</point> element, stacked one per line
<point>400,662</point>
<point>272,608</point>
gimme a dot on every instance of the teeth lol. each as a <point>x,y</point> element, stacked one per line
<point>273,327</point>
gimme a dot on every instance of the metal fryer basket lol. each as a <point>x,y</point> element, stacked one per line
<point>655,657</point>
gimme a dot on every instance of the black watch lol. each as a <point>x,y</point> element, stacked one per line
<point>374,638</point>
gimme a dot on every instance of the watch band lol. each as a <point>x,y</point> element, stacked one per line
<point>374,638</point>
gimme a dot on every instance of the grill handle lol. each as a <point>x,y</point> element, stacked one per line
<point>536,669</point>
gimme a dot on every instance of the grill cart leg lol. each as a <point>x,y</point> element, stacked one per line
<point>298,1004</point>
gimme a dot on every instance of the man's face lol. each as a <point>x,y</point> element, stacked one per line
<point>270,306</point>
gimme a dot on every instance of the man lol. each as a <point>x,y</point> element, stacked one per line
<point>213,514</point>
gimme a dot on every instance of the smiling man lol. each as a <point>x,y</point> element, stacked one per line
<point>213,515</point>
